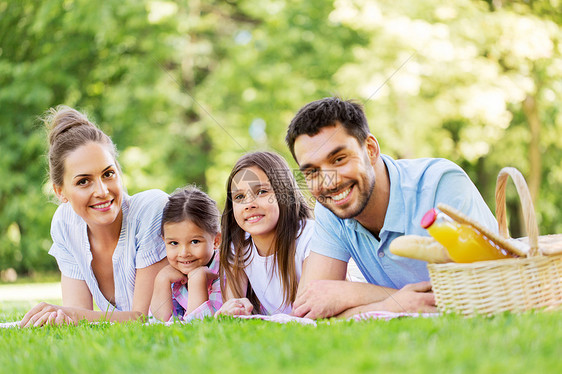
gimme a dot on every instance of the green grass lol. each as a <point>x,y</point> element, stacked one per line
<point>450,344</point>
<point>36,277</point>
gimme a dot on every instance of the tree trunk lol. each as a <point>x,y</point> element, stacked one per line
<point>532,114</point>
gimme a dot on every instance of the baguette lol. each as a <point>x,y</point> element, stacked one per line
<point>420,248</point>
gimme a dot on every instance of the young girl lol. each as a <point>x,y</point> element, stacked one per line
<point>190,229</point>
<point>266,230</point>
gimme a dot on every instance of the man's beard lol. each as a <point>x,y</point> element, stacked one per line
<point>362,202</point>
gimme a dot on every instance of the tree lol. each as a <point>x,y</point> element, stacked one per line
<point>110,60</point>
<point>477,86</point>
<point>283,58</point>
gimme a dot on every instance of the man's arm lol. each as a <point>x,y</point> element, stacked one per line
<point>413,298</point>
<point>323,291</point>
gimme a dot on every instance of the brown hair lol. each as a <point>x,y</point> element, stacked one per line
<point>190,203</point>
<point>326,112</point>
<point>293,212</point>
<point>68,130</point>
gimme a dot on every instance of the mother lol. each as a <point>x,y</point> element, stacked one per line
<point>107,244</point>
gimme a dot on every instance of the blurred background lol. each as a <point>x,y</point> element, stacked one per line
<point>186,87</point>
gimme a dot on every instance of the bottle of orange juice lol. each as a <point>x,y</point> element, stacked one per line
<point>464,242</point>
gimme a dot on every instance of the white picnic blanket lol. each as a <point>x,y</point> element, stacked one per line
<point>9,324</point>
<point>285,318</point>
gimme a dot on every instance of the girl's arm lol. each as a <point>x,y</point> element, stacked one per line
<point>78,305</point>
<point>229,292</point>
<point>235,306</point>
<point>161,303</point>
<point>197,285</point>
<point>144,286</point>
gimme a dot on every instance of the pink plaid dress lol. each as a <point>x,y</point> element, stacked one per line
<point>208,308</point>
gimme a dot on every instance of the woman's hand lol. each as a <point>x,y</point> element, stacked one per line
<point>236,307</point>
<point>60,318</point>
<point>48,314</point>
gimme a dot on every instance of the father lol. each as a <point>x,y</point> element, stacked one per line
<point>367,199</point>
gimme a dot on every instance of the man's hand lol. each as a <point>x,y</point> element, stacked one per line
<point>236,307</point>
<point>415,297</point>
<point>320,299</point>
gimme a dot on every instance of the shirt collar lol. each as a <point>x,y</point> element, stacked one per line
<point>214,265</point>
<point>395,212</point>
<point>125,204</point>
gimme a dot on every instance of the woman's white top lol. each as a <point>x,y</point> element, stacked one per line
<point>140,245</point>
<point>264,278</point>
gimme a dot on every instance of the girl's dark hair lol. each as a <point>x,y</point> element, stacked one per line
<point>293,211</point>
<point>326,112</point>
<point>68,130</point>
<point>190,203</point>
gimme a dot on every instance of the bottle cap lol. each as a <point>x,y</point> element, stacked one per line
<point>429,218</point>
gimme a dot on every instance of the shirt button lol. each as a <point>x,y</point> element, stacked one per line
<point>381,254</point>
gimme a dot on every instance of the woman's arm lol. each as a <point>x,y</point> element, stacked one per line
<point>77,307</point>
<point>75,295</point>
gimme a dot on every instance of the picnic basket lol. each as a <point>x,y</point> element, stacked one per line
<point>517,284</point>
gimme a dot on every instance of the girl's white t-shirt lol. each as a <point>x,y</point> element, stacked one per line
<point>264,278</point>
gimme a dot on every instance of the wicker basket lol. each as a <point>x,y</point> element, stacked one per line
<point>515,285</point>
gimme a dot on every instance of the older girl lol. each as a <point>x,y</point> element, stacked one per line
<point>107,244</point>
<point>265,230</point>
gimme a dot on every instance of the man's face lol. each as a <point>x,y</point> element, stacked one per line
<point>338,170</point>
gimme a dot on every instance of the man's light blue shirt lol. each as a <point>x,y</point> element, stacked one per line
<point>416,185</point>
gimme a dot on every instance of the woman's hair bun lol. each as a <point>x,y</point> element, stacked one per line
<point>63,118</point>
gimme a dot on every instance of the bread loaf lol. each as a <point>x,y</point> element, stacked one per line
<point>423,248</point>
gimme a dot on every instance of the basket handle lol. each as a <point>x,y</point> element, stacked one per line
<point>526,204</point>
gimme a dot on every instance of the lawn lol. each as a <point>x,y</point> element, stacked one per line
<point>450,344</point>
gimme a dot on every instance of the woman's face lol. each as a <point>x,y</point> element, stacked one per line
<point>92,185</point>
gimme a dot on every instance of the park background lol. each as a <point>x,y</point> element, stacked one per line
<point>184,88</point>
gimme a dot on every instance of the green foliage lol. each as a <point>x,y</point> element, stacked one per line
<point>505,343</point>
<point>109,60</point>
<point>283,59</point>
<point>461,75</point>
<point>185,88</point>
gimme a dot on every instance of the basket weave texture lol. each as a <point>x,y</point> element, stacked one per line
<point>516,285</point>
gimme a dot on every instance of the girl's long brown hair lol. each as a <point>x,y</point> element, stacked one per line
<point>293,211</point>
